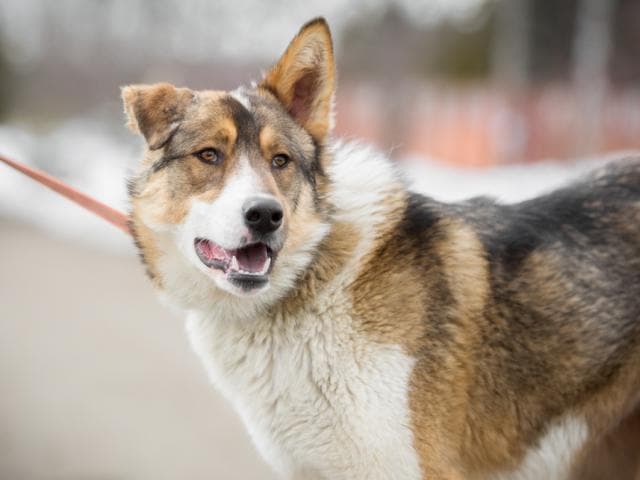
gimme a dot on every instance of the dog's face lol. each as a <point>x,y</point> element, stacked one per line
<point>233,177</point>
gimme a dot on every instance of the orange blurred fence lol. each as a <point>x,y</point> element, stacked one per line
<point>482,126</point>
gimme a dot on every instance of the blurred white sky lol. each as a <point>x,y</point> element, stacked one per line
<point>194,30</point>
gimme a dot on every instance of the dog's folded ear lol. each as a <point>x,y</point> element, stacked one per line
<point>304,78</point>
<point>155,111</point>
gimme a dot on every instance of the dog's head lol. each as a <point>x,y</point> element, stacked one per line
<point>233,179</point>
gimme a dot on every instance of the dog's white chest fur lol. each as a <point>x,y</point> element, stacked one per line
<point>554,454</point>
<point>319,399</point>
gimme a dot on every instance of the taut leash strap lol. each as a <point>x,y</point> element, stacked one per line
<point>111,215</point>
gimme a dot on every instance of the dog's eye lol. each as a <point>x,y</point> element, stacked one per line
<point>210,156</point>
<point>280,160</point>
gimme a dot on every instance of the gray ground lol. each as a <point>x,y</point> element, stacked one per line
<point>97,381</point>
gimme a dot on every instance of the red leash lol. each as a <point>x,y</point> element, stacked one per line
<point>111,215</point>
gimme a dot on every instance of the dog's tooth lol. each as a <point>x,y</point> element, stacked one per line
<point>234,263</point>
<point>267,264</point>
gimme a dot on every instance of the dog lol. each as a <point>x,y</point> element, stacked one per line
<point>364,331</point>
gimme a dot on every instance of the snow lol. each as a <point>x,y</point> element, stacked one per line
<point>506,183</point>
<point>81,154</point>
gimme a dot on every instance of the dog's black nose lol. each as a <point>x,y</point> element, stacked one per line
<point>262,215</point>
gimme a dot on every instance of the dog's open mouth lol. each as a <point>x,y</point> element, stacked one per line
<point>247,267</point>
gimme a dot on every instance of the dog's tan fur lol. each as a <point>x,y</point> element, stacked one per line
<point>514,327</point>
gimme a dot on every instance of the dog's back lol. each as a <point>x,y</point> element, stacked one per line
<point>565,273</point>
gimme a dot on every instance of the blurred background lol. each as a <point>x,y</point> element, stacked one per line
<point>508,98</point>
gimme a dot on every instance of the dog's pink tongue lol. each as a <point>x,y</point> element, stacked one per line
<point>213,251</point>
<point>252,258</point>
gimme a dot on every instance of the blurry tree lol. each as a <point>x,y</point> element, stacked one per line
<point>394,52</point>
<point>510,44</point>
<point>624,67</point>
<point>7,83</point>
<point>381,46</point>
<point>465,50</point>
<point>386,50</point>
<point>551,30</point>
<point>551,36</point>
<point>378,47</point>
<point>591,48</point>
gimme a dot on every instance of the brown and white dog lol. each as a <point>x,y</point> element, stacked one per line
<point>366,332</point>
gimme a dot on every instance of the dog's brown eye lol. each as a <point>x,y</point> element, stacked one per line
<point>209,155</point>
<point>280,161</point>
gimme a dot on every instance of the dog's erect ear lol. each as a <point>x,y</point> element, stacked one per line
<point>304,78</point>
<point>155,111</point>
